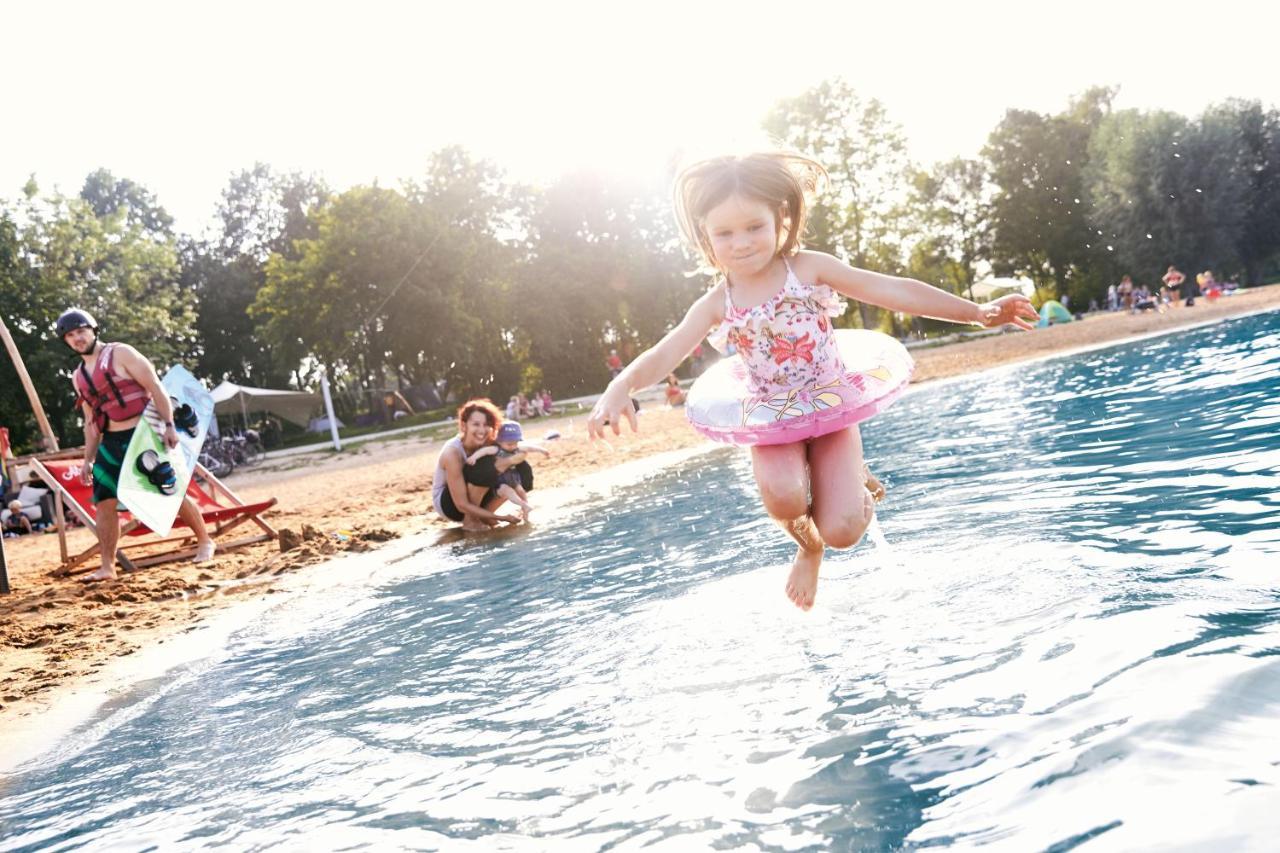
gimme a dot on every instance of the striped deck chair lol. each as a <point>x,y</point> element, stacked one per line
<point>221,509</point>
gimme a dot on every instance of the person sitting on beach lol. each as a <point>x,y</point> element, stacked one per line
<point>16,524</point>
<point>1143,301</point>
<point>675,394</point>
<point>511,482</point>
<point>469,493</point>
<point>113,384</point>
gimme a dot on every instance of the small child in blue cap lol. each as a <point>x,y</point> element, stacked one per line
<point>510,442</point>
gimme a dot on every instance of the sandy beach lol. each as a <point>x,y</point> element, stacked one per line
<point>58,635</point>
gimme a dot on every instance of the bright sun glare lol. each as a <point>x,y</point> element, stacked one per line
<point>179,97</point>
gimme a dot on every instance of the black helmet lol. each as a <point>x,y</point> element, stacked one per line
<point>75,318</point>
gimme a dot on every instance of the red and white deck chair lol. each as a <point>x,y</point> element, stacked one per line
<point>221,509</point>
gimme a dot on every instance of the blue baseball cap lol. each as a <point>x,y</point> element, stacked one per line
<point>510,431</point>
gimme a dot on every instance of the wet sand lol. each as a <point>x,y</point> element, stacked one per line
<point>59,636</point>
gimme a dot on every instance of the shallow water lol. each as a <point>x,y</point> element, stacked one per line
<point>1070,637</point>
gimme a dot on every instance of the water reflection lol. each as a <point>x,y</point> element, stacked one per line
<point>1071,633</point>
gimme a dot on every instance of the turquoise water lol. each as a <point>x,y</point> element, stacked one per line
<point>1069,638</point>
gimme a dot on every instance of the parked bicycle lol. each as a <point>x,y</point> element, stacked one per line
<point>223,454</point>
<point>215,458</point>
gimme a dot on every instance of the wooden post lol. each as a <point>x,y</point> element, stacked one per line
<point>4,569</point>
<point>50,441</point>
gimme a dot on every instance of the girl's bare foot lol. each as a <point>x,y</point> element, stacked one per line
<point>802,583</point>
<point>874,486</point>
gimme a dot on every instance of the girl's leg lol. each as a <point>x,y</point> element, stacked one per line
<point>522,498</point>
<point>842,504</point>
<point>782,475</point>
<point>517,496</point>
<point>874,486</point>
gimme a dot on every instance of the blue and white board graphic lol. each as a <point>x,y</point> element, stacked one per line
<point>142,498</point>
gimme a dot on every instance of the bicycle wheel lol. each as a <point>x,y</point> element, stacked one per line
<point>216,464</point>
<point>252,452</point>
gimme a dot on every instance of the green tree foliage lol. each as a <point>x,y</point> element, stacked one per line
<point>1037,163</point>
<point>120,271</point>
<point>605,272</point>
<point>1168,190</point>
<point>1256,156</point>
<point>107,194</point>
<point>955,217</point>
<point>464,276</point>
<point>393,290</point>
<point>864,153</point>
<point>260,213</point>
<point>25,307</point>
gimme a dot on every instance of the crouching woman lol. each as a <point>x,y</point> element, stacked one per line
<point>469,493</point>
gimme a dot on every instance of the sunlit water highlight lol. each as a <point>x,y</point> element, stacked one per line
<point>1070,636</point>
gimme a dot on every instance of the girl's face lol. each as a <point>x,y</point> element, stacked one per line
<point>477,429</point>
<point>743,233</point>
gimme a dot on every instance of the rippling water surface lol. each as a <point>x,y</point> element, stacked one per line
<point>1069,637</point>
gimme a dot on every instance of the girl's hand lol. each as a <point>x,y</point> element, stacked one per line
<point>1014,308</point>
<point>609,410</point>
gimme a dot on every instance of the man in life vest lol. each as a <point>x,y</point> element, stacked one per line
<point>113,385</point>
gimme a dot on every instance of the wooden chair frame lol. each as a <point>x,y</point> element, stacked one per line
<point>222,521</point>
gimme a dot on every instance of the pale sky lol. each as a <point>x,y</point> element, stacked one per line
<point>178,95</point>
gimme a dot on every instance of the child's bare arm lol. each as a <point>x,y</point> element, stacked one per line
<point>481,453</point>
<point>533,448</point>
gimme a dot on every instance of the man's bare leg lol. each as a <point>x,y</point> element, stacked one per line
<point>108,538</point>
<point>190,513</point>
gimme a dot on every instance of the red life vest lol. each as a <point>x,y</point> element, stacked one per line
<point>112,397</point>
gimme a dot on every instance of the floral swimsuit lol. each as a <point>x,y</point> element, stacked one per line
<point>796,377</point>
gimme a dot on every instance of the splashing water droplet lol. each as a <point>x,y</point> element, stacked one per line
<point>1199,190</point>
<point>1111,248</point>
<point>1148,236</point>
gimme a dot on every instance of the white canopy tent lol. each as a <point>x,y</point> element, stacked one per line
<point>294,406</point>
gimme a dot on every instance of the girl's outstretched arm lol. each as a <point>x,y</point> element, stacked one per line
<point>653,365</point>
<point>915,297</point>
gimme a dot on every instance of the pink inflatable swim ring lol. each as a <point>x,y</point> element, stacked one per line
<point>722,407</point>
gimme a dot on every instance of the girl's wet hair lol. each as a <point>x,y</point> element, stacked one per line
<point>492,414</point>
<point>780,179</point>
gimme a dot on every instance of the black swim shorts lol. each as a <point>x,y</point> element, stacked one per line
<point>106,465</point>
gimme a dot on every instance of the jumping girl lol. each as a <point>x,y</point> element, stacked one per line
<point>797,389</point>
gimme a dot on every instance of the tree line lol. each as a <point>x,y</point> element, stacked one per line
<point>463,277</point>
